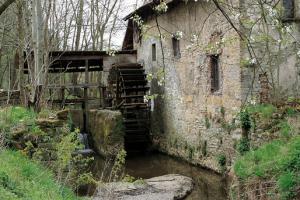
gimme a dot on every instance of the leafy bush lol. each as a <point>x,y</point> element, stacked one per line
<point>222,160</point>
<point>245,119</point>
<point>243,146</point>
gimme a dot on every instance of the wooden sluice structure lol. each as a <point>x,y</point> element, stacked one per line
<point>123,87</point>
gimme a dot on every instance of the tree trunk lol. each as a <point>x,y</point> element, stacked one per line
<point>79,24</point>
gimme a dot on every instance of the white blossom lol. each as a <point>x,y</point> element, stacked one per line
<point>178,35</point>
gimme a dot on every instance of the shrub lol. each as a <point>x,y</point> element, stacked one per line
<point>245,119</point>
<point>243,146</point>
<point>222,160</point>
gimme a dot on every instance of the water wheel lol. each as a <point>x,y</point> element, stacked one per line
<point>128,84</point>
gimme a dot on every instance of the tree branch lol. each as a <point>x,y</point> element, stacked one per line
<point>5,5</point>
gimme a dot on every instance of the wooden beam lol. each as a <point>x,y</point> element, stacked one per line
<point>86,98</point>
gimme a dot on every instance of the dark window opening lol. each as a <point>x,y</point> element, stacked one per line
<point>153,52</point>
<point>176,48</point>
<point>289,9</point>
<point>215,73</point>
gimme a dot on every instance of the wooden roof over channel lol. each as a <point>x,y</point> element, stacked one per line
<point>77,61</point>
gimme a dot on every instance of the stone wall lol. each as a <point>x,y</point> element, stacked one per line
<point>189,120</point>
<point>9,97</point>
<point>106,130</point>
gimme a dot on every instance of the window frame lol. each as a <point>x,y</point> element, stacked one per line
<point>176,48</point>
<point>215,73</point>
<point>289,12</point>
<point>154,52</point>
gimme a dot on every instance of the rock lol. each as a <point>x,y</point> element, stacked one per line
<point>168,187</point>
<point>49,123</point>
<point>19,131</point>
<point>63,114</point>
<point>106,129</point>
<point>84,152</point>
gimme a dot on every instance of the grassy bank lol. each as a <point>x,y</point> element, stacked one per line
<point>270,169</point>
<point>36,155</point>
<point>21,178</point>
<point>277,162</point>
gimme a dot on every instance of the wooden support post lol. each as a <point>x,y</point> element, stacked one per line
<point>62,96</point>
<point>86,98</point>
<point>101,96</point>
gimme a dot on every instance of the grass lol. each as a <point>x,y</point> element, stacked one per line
<point>21,179</point>
<point>279,159</point>
<point>264,110</point>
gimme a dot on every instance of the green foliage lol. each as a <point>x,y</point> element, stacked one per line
<point>129,179</point>
<point>119,163</point>
<point>207,122</point>
<point>204,148</point>
<point>222,162</point>
<point>191,151</point>
<point>20,178</point>
<point>12,116</point>
<point>263,110</point>
<point>243,146</point>
<point>290,112</point>
<point>56,146</point>
<point>245,119</point>
<point>45,113</point>
<point>277,160</point>
<point>286,184</point>
<point>222,110</point>
<point>285,129</point>
<point>68,145</point>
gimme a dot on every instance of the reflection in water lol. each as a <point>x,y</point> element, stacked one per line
<point>208,186</point>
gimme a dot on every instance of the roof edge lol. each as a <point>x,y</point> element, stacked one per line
<point>149,7</point>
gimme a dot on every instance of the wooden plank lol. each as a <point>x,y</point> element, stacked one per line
<point>74,86</point>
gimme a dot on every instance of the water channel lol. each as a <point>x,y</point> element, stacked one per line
<point>208,185</point>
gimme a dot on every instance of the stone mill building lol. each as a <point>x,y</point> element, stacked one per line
<point>195,60</point>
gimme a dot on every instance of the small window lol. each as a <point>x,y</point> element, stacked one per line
<point>153,52</point>
<point>215,73</point>
<point>289,9</point>
<point>176,47</point>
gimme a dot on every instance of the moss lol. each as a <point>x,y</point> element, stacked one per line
<point>204,148</point>
<point>207,122</point>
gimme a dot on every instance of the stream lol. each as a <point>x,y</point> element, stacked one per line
<point>208,185</point>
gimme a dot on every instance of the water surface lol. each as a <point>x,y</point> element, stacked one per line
<point>208,185</point>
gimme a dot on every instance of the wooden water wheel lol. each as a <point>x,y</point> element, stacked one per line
<point>128,83</point>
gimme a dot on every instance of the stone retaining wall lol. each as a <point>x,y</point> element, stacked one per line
<point>106,130</point>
